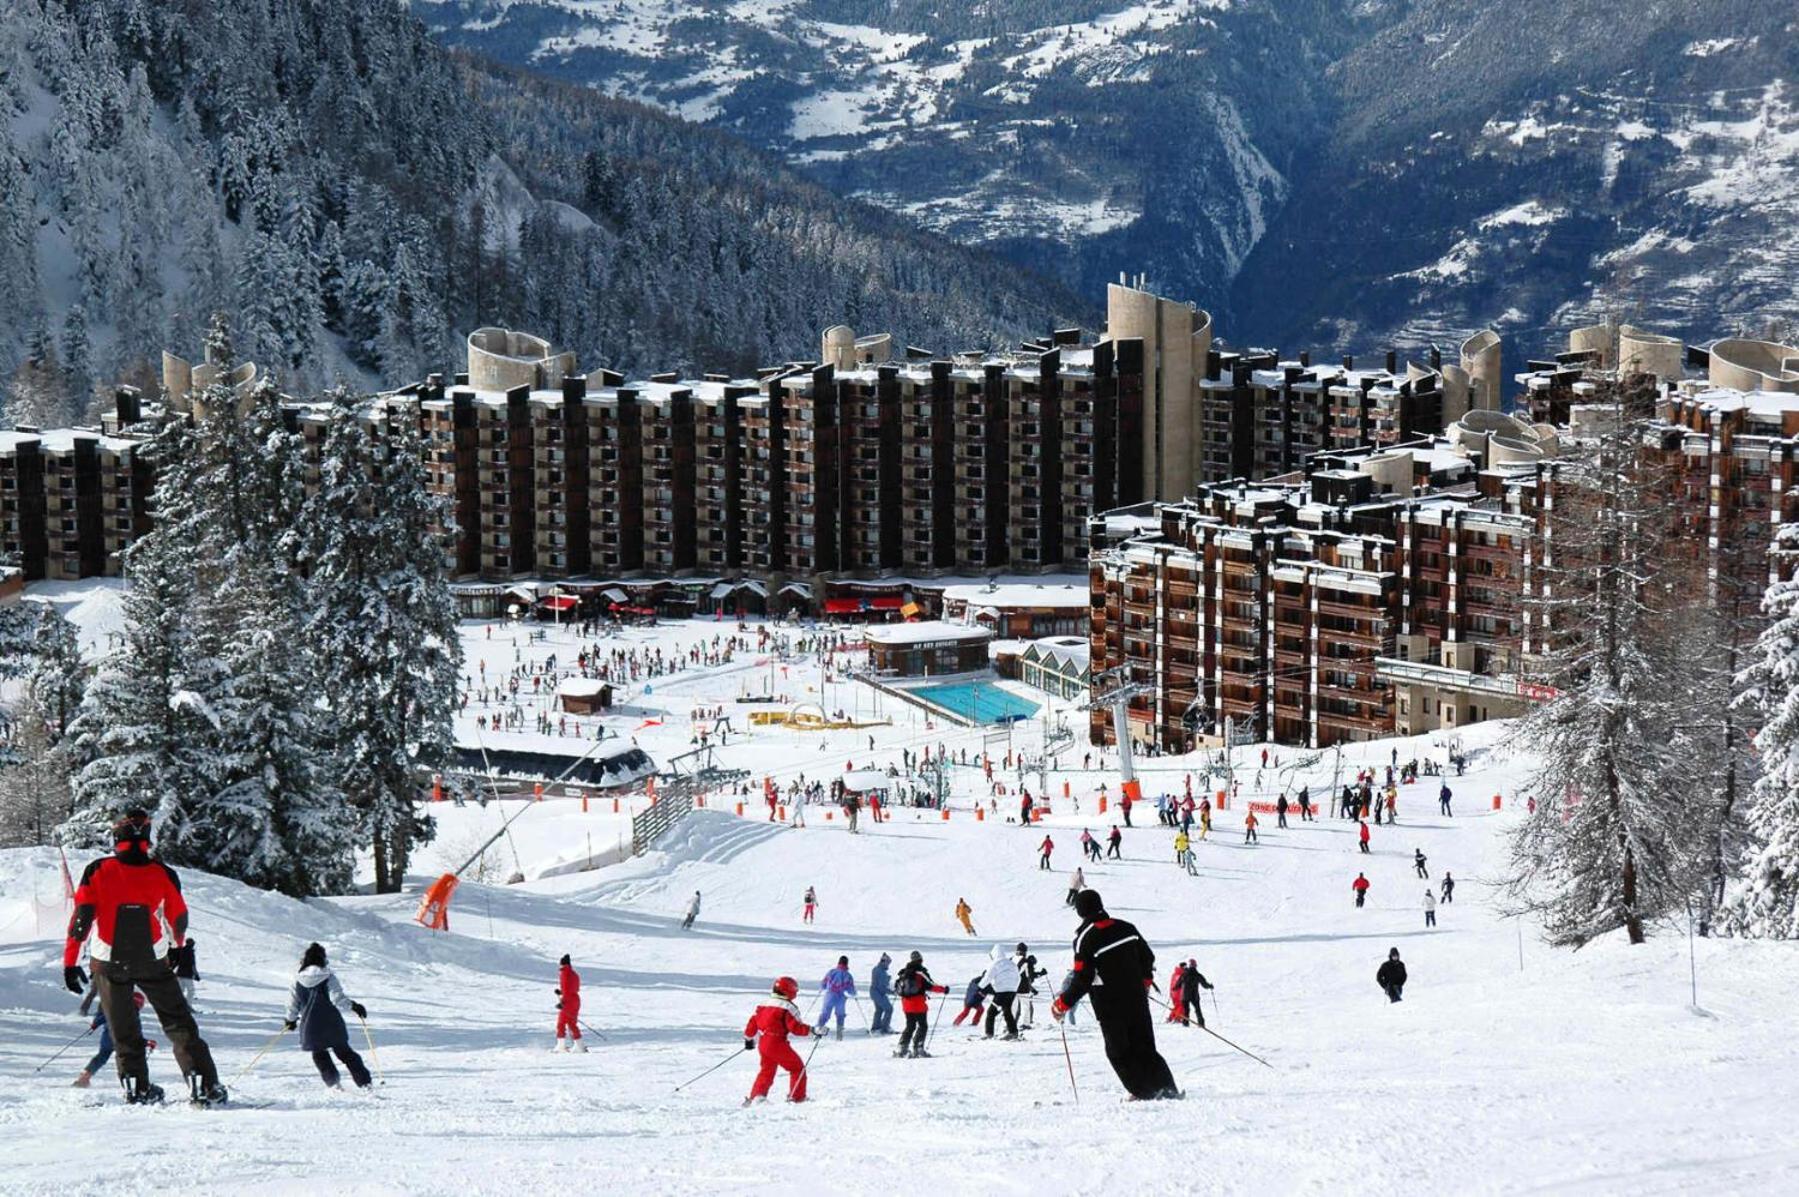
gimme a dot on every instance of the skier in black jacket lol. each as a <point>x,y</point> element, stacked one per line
<point>1192,981</point>
<point>1115,968</point>
<point>1391,976</point>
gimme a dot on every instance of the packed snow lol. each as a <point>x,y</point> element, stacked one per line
<point>1508,1066</point>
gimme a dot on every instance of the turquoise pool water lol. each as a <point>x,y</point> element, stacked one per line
<point>981,702</point>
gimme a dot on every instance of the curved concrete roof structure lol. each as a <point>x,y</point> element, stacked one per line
<point>1744,364</point>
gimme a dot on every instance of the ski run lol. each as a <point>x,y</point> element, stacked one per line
<point>1507,1066</point>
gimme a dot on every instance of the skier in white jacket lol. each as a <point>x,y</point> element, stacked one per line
<point>693,912</point>
<point>1000,983</point>
<point>315,1008</point>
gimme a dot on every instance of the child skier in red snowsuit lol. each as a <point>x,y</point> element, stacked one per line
<point>767,1031</point>
<point>1177,1004</point>
<point>568,1007</point>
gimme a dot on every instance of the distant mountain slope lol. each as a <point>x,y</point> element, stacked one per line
<point>1535,164</point>
<point>1338,173</point>
<point>1078,136</point>
<point>358,198</point>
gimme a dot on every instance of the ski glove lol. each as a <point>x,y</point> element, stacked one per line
<point>749,1045</point>
<point>290,1025</point>
<point>359,1010</point>
<point>74,979</point>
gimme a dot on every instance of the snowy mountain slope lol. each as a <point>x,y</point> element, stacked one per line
<point>1318,173</point>
<point>367,199</point>
<point>1079,137</point>
<point>1656,147</point>
<point>1584,1072</point>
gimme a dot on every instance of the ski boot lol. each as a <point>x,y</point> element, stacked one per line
<point>580,1045</point>
<point>840,1032</point>
<point>901,1053</point>
<point>919,1053</point>
<point>140,1092</point>
<point>202,1092</point>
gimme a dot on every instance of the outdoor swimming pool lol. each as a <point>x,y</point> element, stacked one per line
<point>980,702</point>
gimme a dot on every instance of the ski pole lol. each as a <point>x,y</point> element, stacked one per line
<point>805,1065</point>
<point>869,1026</point>
<point>709,1071</point>
<point>935,1018</point>
<point>65,1047</point>
<point>370,1040</point>
<point>1070,1060</point>
<point>273,1039</point>
<point>591,1031</point>
<point>1228,1043</point>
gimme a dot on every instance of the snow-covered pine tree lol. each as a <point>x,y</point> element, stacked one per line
<point>274,812</point>
<point>1625,824</point>
<point>382,626</point>
<point>58,676</point>
<point>139,738</point>
<point>77,367</point>
<point>34,785</point>
<point>1767,905</point>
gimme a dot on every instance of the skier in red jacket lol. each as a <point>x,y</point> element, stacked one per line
<point>767,1031</point>
<point>122,903</point>
<point>568,1008</point>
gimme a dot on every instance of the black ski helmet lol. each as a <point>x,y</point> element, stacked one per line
<point>131,831</point>
<point>916,957</point>
<point>1088,904</point>
<point>1023,948</point>
<point>564,961</point>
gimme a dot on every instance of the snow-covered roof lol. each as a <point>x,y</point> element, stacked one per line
<point>1056,649</point>
<point>581,687</point>
<point>929,631</point>
<point>1016,595</point>
<point>1755,403</point>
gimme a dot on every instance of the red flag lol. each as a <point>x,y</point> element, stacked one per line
<point>649,723</point>
<point>68,882</point>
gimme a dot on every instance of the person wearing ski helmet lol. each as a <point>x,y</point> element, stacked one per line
<point>767,1031</point>
<point>915,987</point>
<point>121,905</point>
<point>1114,967</point>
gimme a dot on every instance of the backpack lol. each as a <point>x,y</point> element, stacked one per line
<point>910,984</point>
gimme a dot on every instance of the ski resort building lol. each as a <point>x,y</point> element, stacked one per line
<point>1374,594</point>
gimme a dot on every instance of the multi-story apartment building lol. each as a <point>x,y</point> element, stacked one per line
<point>71,500</point>
<point>859,467</point>
<point>1347,604</point>
<point>1262,417</point>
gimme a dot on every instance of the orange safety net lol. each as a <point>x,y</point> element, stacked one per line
<point>434,909</point>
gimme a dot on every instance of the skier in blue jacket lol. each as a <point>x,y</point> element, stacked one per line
<point>838,986</point>
<point>880,991</point>
<point>105,1046</point>
<point>313,1007</point>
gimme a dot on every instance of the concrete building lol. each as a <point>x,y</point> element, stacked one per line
<point>1176,339</point>
<point>1375,594</point>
